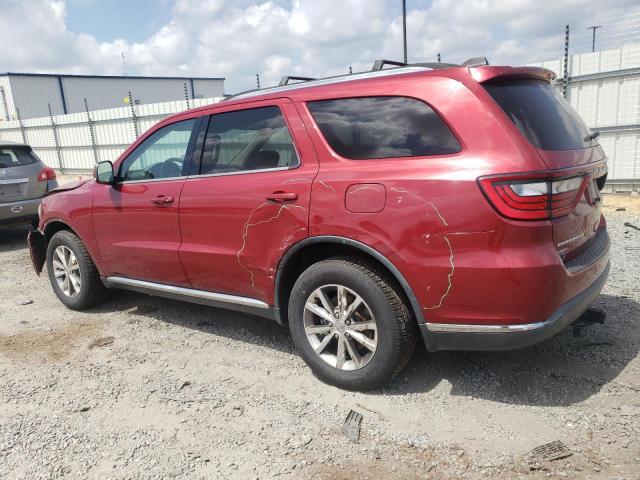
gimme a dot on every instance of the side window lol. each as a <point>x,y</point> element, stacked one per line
<point>382,127</point>
<point>255,139</point>
<point>161,155</point>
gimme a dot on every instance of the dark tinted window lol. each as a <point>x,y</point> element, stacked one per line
<point>382,127</point>
<point>16,157</point>
<point>255,139</point>
<point>541,114</point>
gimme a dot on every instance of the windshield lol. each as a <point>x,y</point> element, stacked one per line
<point>546,119</point>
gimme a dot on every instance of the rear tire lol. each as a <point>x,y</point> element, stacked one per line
<point>73,275</point>
<point>378,336</point>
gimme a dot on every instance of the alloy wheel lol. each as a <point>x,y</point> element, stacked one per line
<point>66,271</point>
<point>340,327</point>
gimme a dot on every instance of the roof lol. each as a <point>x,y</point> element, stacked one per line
<point>129,77</point>
<point>353,82</point>
<point>8,144</point>
<point>480,74</point>
<point>328,81</point>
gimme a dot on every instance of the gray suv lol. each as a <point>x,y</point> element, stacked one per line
<point>24,180</point>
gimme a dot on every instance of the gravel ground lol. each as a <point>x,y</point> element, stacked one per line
<point>151,388</point>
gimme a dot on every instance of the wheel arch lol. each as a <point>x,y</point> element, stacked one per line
<point>54,226</point>
<point>313,249</point>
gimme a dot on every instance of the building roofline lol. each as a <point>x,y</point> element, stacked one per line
<point>132,77</point>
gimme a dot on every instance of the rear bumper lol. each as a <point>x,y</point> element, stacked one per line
<point>19,211</point>
<point>441,336</point>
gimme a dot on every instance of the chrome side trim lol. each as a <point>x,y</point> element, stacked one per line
<point>185,292</point>
<point>224,174</point>
<point>243,172</point>
<point>150,180</point>
<point>458,328</point>
<point>12,181</point>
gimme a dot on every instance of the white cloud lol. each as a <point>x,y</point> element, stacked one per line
<point>304,37</point>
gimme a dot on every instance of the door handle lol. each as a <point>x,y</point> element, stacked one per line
<point>281,197</point>
<point>161,200</point>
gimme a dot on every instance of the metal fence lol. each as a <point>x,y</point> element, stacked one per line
<point>604,87</point>
<point>73,143</point>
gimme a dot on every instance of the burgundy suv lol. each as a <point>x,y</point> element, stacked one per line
<point>460,202</point>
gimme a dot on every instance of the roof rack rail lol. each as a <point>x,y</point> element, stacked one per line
<point>475,62</point>
<point>285,80</point>
<point>379,64</point>
<point>433,65</point>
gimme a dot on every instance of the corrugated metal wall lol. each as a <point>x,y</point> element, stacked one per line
<point>32,94</point>
<point>67,144</point>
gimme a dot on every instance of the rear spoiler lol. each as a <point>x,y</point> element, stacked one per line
<point>17,146</point>
<point>484,74</point>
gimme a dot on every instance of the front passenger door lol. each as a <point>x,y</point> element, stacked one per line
<point>136,220</point>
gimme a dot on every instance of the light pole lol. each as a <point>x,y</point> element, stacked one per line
<point>593,42</point>
<point>404,28</point>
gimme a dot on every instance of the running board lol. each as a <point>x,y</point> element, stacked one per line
<point>203,297</point>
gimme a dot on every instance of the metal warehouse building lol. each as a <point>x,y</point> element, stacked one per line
<point>27,95</point>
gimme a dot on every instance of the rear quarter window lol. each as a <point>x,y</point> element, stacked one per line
<point>546,119</point>
<point>16,157</point>
<point>382,127</point>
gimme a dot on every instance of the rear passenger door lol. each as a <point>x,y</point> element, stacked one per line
<point>248,199</point>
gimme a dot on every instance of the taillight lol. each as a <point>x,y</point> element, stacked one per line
<point>533,196</point>
<point>46,174</point>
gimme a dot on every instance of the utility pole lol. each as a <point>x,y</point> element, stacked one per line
<point>565,80</point>
<point>404,28</point>
<point>593,42</point>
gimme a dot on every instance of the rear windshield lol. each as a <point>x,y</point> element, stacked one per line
<point>15,157</point>
<point>546,119</point>
<point>382,127</point>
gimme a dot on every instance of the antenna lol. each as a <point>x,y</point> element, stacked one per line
<point>593,42</point>
<point>124,64</point>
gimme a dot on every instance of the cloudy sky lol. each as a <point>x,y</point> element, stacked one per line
<point>237,39</point>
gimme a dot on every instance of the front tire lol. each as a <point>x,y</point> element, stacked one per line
<point>349,324</point>
<point>73,275</point>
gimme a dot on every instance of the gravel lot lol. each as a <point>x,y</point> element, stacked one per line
<point>152,388</point>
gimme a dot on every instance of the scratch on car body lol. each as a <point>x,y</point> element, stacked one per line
<point>449,275</point>
<point>422,200</point>
<point>364,187</point>
<point>327,186</point>
<point>444,222</point>
<point>245,233</point>
<point>297,180</point>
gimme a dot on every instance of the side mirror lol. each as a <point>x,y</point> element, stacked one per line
<point>104,173</point>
